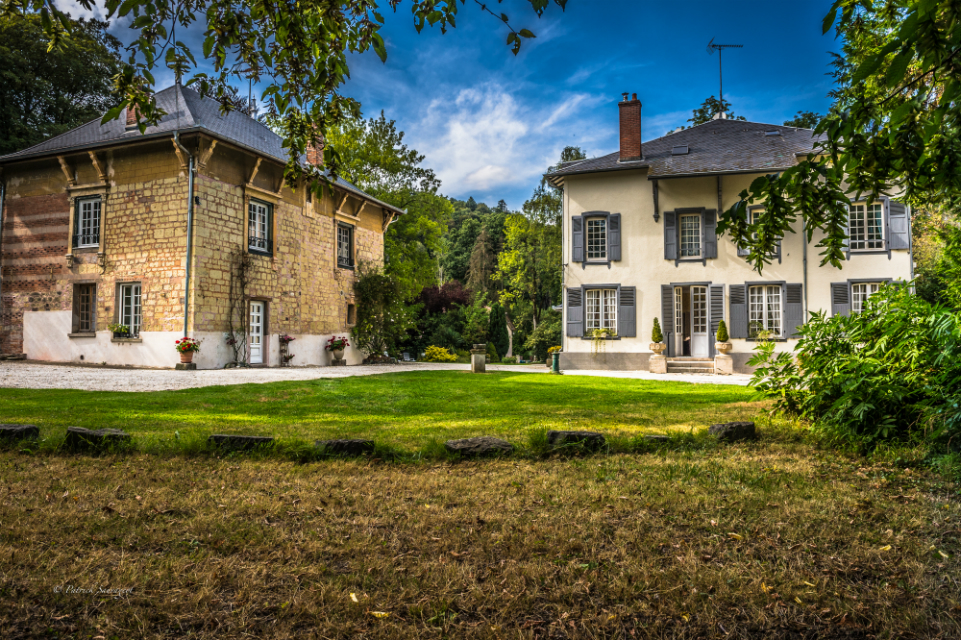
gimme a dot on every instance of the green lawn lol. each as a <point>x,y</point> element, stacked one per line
<point>406,411</point>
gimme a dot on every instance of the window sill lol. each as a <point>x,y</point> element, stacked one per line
<point>346,267</point>
<point>260,252</point>
<point>82,334</point>
<point>126,340</point>
<point>867,251</point>
<point>766,340</point>
<point>91,249</point>
<point>593,338</point>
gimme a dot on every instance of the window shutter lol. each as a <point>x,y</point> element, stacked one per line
<point>670,235</point>
<point>575,313</point>
<point>627,312</point>
<point>847,235</point>
<point>717,306</point>
<point>737,294</point>
<point>840,299</point>
<point>793,309</point>
<point>577,237</point>
<point>742,251</point>
<point>667,316</point>
<point>614,237</point>
<point>709,233</point>
<point>898,231</point>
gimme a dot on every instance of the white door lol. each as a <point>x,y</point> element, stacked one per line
<point>699,335</point>
<point>256,332</point>
<point>678,321</point>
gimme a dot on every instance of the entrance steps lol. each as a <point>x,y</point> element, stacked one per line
<point>691,365</point>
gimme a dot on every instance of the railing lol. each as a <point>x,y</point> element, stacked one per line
<point>260,245</point>
<point>86,239</point>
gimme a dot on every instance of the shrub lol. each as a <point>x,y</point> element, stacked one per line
<point>721,332</point>
<point>438,354</point>
<point>509,360</point>
<point>382,317</point>
<point>656,335</point>
<point>547,334</point>
<point>497,329</point>
<point>492,352</point>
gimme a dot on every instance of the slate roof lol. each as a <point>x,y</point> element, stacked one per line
<point>186,111</point>
<point>718,146</point>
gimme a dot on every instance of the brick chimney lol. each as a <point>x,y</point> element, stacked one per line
<point>315,154</point>
<point>132,111</point>
<point>630,111</point>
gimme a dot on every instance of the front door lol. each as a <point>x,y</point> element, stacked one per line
<point>699,334</point>
<point>256,332</point>
<point>678,321</point>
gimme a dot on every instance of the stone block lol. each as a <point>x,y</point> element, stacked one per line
<point>478,362</point>
<point>346,447</point>
<point>723,364</point>
<point>733,431</point>
<point>79,438</point>
<point>9,432</point>
<point>657,364</point>
<point>588,439</point>
<point>479,446</point>
<point>186,366</point>
<point>239,443</point>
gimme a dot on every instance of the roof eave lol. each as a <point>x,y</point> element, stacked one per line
<point>696,174</point>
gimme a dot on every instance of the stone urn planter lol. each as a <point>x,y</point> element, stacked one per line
<point>723,347</point>
<point>186,357</point>
<point>337,353</point>
<point>658,348</point>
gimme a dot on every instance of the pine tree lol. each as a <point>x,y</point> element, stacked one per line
<point>497,330</point>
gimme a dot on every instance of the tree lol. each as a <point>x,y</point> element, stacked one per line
<point>45,94</point>
<point>895,125</point>
<point>570,154</point>
<point>497,330</point>
<point>804,120</point>
<point>483,264</point>
<point>501,206</point>
<point>301,51</point>
<point>382,318</point>
<point>710,108</point>
<point>471,203</point>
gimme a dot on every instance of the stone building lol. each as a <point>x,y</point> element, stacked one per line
<point>187,229</point>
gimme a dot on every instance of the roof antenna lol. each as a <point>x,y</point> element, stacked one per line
<point>711,48</point>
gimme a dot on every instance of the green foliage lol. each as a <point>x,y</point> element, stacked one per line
<point>570,154</point>
<point>475,321</point>
<point>382,318</point>
<point>45,93</point>
<point>492,353</point>
<point>497,329</point>
<point>545,335</point>
<point>891,372</point>
<point>722,335</point>
<point>710,108</point>
<point>438,354</point>
<point>804,120</point>
<point>656,334</point>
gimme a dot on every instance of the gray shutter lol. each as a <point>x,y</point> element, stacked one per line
<point>847,235</point>
<point>742,251</point>
<point>614,237</point>
<point>575,313</point>
<point>667,316</point>
<point>670,235</point>
<point>717,306</point>
<point>793,309</point>
<point>840,299</point>
<point>627,312</point>
<point>737,294</point>
<point>898,232</point>
<point>577,239</point>
<point>709,233</point>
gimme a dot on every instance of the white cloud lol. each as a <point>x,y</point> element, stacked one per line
<point>77,10</point>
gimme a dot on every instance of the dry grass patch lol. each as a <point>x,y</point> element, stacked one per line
<point>770,540</point>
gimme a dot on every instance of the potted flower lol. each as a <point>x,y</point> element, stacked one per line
<point>657,339</point>
<point>187,347</point>
<point>336,346</point>
<point>722,345</point>
<point>119,330</point>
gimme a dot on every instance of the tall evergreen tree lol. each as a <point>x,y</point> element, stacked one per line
<point>497,330</point>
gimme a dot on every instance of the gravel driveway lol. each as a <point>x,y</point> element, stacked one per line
<point>29,375</point>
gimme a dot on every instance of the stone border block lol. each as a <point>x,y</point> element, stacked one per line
<point>479,446</point>
<point>79,438</point>
<point>591,440</point>
<point>11,432</point>
<point>733,431</point>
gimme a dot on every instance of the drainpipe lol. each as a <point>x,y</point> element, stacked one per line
<point>804,251</point>
<point>190,226</point>
<point>3,193</point>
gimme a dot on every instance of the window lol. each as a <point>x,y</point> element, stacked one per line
<point>597,239</point>
<point>259,228</point>
<point>765,311</point>
<point>691,236</point>
<point>84,308</point>
<point>129,311</point>
<point>602,309</point>
<point>87,224</point>
<point>351,315</point>
<point>860,292</point>
<point>345,246</point>
<point>866,227</point>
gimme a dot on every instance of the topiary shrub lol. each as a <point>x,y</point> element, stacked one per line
<point>492,352</point>
<point>656,335</point>
<point>722,332</point>
<point>438,354</point>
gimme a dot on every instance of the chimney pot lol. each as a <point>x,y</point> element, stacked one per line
<point>624,97</point>
<point>630,124</point>
<point>132,111</point>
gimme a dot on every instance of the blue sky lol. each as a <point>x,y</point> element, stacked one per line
<point>490,123</point>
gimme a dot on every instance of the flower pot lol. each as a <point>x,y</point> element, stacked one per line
<point>337,353</point>
<point>723,347</point>
<point>658,347</point>
<point>186,356</point>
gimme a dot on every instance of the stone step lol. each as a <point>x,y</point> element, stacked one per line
<point>690,368</point>
<point>687,359</point>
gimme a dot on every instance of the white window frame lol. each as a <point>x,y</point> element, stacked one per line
<point>345,246</point>
<point>596,240</point>
<point>765,304</point>
<point>860,292</point>
<point>600,307</point>
<point>89,211</point>
<point>687,248</point>
<point>259,222</point>
<point>130,307</point>
<point>862,234</point>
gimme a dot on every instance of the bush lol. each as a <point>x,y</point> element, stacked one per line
<point>656,335</point>
<point>721,332</point>
<point>497,329</point>
<point>492,353</point>
<point>509,360</point>
<point>438,354</point>
<point>547,334</point>
<point>891,372</point>
<point>382,317</point>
